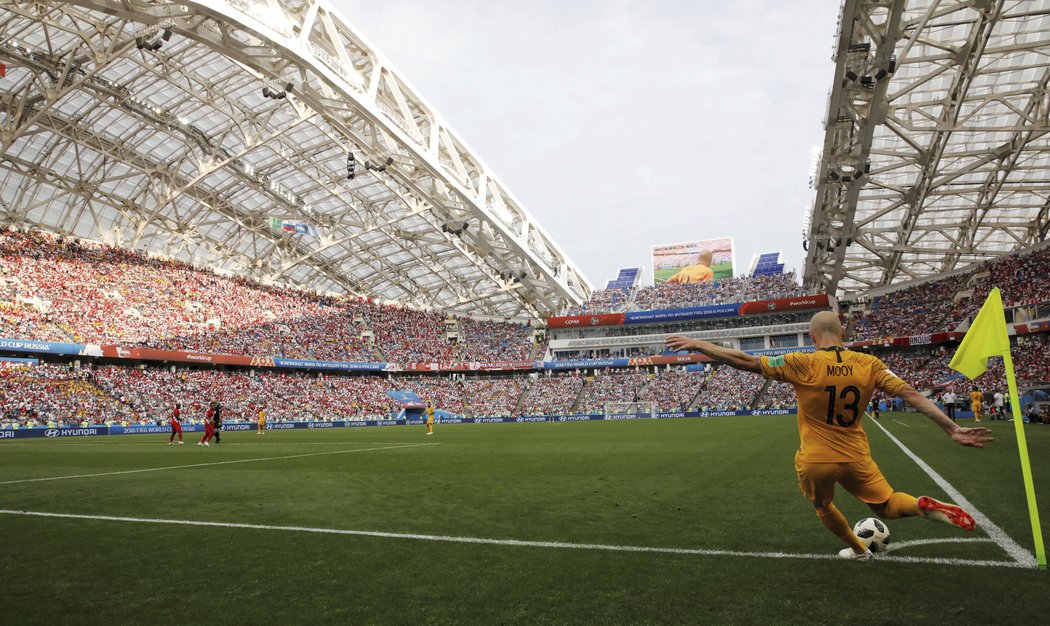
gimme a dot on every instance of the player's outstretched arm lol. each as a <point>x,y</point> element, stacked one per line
<point>733,358</point>
<point>973,437</point>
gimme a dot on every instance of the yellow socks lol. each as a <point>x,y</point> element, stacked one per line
<point>835,521</point>
<point>901,504</point>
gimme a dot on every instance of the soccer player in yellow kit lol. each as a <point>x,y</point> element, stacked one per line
<point>976,398</point>
<point>262,422</point>
<point>833,386</point>
<point>430,418</point>
<point>699,272</point>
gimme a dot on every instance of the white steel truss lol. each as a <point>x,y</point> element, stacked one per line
<point>185,128</point>
<point>936,154</point>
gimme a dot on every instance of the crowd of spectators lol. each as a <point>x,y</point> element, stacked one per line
<point>54,396</point>
<point>443,392</point>
<point>674,390</point>
<point>58,289</point>
<point>493,397</point>
<point>611,386</point>
<point>776,395</point>
<point>942,305</point>
<point>726,290</point>
<point>552,395</point>
<point>923,309</point>
<point>151,393</point>
<point>603,301</point>
<point>481,340</point>
<point>729,389</point>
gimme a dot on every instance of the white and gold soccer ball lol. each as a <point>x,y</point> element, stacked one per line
<point>874,533</point>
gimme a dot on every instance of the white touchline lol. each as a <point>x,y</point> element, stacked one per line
<point>173,467</point>
<point>902,424</point>
<point>507,542</point>
<point>900,545</point>
<point>1023,557</point>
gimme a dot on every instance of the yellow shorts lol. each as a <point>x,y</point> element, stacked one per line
<point>862,479</point>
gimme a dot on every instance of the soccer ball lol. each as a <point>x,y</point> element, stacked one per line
<point>874,533</point>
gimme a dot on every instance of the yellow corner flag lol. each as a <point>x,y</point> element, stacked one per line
<point>987,337</point>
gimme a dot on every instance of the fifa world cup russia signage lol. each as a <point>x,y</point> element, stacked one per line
<point>585,321</point>
<point>147,354</point>
<point>781,305</point>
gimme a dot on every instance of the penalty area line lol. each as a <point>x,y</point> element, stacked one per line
<point>233,462</point>
<point>505,542</point>
<point>1021,556</point>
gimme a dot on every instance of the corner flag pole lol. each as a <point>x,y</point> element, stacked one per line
<point>988,337</point>
<point>1026,466</point>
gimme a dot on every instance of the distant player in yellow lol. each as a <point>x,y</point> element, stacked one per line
<point>833,386</point>
<point>430,418</point>
<point>262,422</point>
<point>698,273</point>
<point>976,397</point>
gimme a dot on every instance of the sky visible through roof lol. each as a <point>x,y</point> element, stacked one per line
<point>620,125</point>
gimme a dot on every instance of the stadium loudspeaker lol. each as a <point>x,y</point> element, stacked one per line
<point>850,74</point>
<point>166,36</point>
<point>879,75</point>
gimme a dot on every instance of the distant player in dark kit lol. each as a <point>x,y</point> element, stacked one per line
<point>176,426</point>
<point>217,408</point>
<point>875,408</point>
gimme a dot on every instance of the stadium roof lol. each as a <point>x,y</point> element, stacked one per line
<point>937,153</point>
<point>202,130</point>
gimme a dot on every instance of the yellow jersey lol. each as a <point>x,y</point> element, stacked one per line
<point>976,398</point>
<point>430,415</point>
<point>833,389</point>
<point>262,417</point>
<point>692,274</point>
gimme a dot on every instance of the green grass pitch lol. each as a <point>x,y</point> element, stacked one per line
<point>709,484</point>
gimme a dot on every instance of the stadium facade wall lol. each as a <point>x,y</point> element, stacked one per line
<point>780,305</point>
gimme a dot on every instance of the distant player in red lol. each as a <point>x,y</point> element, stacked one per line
<point>209,427</point>
<point>176,426</point>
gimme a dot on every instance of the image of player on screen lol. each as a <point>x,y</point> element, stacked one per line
<point>699,272</point>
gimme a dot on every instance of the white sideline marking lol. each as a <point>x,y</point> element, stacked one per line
<point>902,424</point>
<point>506,542</point>
<point>171,467</point>
<point>1023,557</point>
<point>893,547</point>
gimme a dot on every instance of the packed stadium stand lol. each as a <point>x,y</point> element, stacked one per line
<point>552,395</point>
<point>493,397</point>
<point>942,305</point>
<point>729,389</point>
<point>611,386</point>
<point>58,289</point>
<point>674,390</point>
